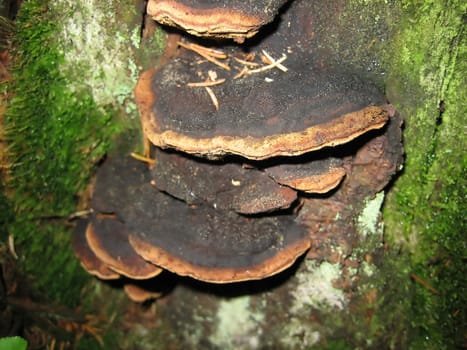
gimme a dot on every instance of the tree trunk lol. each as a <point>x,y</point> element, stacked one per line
<point>388,279</point>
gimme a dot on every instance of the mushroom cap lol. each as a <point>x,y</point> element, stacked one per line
<point>217,246</point>
<point>315,176</point>
<point>293,113</point>
<point>108,239</point>
<point>235,19</point>
<point>222,185</point>
<point>139,294</point>
<point>86,256</point>
<point>197,241</point>
<point>112,186</point>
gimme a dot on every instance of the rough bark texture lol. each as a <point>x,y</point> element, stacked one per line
<point>404,290</point>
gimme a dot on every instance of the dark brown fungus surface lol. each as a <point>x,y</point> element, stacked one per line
<point>235,19</point>
<point>331,220</point>
<point>287,114</point>
<point>222,185</point>
<point>87,258</point>
<point>217,246</point>
<point>316,176</point>
<point>198,241</point>
<point>117,180</point>
<point>108,239</point>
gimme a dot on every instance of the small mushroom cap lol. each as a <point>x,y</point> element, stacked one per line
<point>108,239</point>
<point>298,112</point>
<point>138,293</point>
<point>235,19</point>
<point>315,176</point>
<point>86,256</point>
<point>222,185</point>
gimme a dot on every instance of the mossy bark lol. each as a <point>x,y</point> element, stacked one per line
<point>415,50</point>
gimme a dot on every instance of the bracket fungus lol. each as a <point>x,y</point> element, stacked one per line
<point>234,19</point>
<point>302,111</point>
<point>87,258</point>
<point>260,155</point>
<point>316,176</point>
<point>108,239</point>
<point>208,244</point>
<point>223,185</point>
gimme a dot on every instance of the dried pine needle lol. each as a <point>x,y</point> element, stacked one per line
<point>205,54</point>
<point>213,97</point>
<point>268,67</point>
<point>246,63</point>
<point>206,83</point>
<point>212,52</point>
<point>271,60</point>
<point>143,158</point>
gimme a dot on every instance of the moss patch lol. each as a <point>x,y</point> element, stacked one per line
<point>55,133</point>
<point>424,211</point>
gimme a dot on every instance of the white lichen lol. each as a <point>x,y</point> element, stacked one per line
<point>299,335</point>
<point>368,222</point>
<point>98,51</point>
<point>236,325</point>
<point>315,287</point>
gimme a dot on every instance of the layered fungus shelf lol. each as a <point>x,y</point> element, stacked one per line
<point>255,151</point>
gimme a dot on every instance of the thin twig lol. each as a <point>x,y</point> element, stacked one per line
<point>424,284</point>
<point>206,83</point>
<point>213,97</point>
<point>143,158</point>
<point>269,66</point>
<point>271,60</point>
<point>204,54</point>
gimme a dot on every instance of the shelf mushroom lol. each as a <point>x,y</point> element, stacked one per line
<point>208,244</point>
<point>223,185</point>
<point>296,113</point>
<point>315,176</point>
<point>108,239</point>
<point>244,137</point>
<point>234,19</point>
<point>86,256</point>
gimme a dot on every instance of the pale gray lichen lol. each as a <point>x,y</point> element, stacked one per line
<point>237,325</point>
<point>97,48</point>
<point>368,222</point>
<point>315,287</point>
<point>299,335</point>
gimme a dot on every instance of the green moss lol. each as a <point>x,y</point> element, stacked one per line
<point>55,133</point>
<point>425,211</point>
